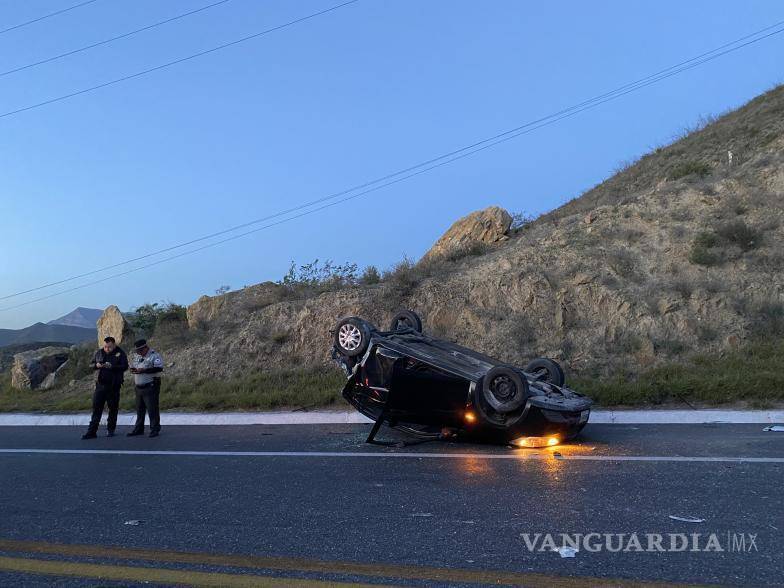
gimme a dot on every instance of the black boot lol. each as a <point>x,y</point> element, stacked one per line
<point>110,433</point>
<point>135,432</point>
<point>154,433</point>
<point>89,435</point>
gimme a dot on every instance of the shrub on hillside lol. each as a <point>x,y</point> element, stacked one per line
<point>370,276</point>
<point>707,248</point>
<point>766,320</point>
<point>320,276</point>
<point>520,220</point>
<point>148,317</point>
<point>701,252</point>
<point>624,263</point>
<point>402,277</point>
<point>739,233</point>
<point>472,249</point>
<point>689,168</point>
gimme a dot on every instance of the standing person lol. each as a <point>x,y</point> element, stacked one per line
<point>109,363</point>
<point>146,367</point>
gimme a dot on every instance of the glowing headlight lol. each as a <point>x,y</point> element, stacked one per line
<point>536,441</point>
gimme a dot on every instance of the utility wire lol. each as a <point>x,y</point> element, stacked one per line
<point>448,157</point>
<point>434,163</point>
<point>139,74</point>
<point>51,14</point>
<point>111,39</point>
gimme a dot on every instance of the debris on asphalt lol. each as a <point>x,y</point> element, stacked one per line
<point>133,523</point>
<point>774,428</point>
<point>566,551</point>
<point>557,455</point>
<point>687,519</point>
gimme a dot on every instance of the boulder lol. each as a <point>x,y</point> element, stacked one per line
<point>112,323</point>
<point>249,299</point>
<point>483,226</point>
<point>204,310</point>
<point>32,368</point>
<point>52,379</point>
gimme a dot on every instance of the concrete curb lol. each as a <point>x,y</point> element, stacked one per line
<point>686,417</point>
<point>320,417</point>
<point>328,417</point>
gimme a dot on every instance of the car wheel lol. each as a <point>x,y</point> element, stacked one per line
<point>546,370</point>
<point>352,336</point>
<point>406,319</point>
<point>504,389</point>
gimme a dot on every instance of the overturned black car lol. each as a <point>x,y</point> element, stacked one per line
<point>434,389</point>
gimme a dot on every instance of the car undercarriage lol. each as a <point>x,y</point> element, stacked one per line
<point>433,388</point>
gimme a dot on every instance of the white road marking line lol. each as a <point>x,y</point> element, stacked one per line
<point>410,455</point>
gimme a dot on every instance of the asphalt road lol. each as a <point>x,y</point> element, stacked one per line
<point>302,505</point>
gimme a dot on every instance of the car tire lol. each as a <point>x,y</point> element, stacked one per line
<point>352,336</point>
<point>504,389</point>
<point>546,370</point>
<point>406,319</point>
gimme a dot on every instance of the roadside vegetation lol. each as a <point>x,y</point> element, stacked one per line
<point>293,389</point>
<point>752,374</point>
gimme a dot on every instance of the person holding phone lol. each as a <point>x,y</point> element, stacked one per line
<point>146,367</point>
<point>109,363</point>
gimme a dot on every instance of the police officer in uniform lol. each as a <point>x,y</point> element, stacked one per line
<point>146,367</point>
<point>109,363</point>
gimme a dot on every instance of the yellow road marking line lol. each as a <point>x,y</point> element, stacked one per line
<point>408,572</point>
<point>159,575</point>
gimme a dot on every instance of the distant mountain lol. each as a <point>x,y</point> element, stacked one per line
<point>79,317</point>
<point>41,332</point>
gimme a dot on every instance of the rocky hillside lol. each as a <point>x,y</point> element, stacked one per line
<point>678,252</point>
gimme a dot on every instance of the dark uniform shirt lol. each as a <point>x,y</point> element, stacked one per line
<point>112,376</point>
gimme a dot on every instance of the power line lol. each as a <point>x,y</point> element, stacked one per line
<point>51,14</point>
<point>175,62</point>
<point>111,39</point>
<point>432,163</point>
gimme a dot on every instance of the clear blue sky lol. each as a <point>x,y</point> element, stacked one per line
<point>321,106</point>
